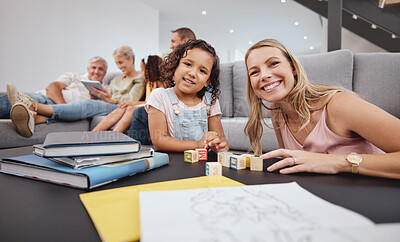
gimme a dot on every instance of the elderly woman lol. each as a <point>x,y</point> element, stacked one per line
<point>129,87</point>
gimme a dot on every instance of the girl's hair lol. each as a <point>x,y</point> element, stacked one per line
<point>152,68</point>
<point>124,52</point>
<point>302,97</point>
<point>171,62</point>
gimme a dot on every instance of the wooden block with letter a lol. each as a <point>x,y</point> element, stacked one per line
<point>213,168</point>
<point>256,163</point>
<point>202,154</point>
<point>238,162</point>
<point>191,156</point>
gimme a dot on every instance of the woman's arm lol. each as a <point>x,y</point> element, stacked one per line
<point>350,116</point>
<point>159,134</point>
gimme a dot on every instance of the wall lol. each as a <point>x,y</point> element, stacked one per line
<point>350,41</point>
<point>42,39</point>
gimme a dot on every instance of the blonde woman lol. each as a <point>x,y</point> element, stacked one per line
<point>320,128</point>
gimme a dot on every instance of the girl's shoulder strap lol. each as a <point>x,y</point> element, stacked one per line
<point>207,98</point>
<point>172,96</point>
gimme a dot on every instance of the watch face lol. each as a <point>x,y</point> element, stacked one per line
<point>354,158</point>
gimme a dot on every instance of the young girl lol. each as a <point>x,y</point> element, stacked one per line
<point>123,114</point>
<point>320,128</point>
<point>187,116</point>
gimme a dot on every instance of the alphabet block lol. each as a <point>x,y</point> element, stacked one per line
<point>256,163</point>
<point>213,168</point>
<point>248,156</point>
<point>191,156</point>
<point>238,162</point>
<point>202,154</point>
<point>224,158</point>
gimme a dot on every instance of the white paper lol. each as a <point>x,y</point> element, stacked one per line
<point>275,212</point>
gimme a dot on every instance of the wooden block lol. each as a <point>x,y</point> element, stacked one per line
<point>238,162</point>
<point>256,163</point>
<point>213,168</point>
<point>202,154</point>
<point>224,158</point>
<point>248,156</point>
<point>191,156</point>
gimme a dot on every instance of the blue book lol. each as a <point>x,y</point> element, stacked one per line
<point>39,168</point>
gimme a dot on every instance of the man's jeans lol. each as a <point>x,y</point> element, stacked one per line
<point>5,106</point>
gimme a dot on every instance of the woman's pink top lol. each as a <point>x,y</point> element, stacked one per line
<point>323,140</point>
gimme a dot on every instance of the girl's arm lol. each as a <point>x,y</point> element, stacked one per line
<point>160,138</point>
<point>350,116</point>
<point>218,141</point>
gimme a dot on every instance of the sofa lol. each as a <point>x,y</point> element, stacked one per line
<point>375,76</point>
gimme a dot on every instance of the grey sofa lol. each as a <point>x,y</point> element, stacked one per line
<point>376,76</point>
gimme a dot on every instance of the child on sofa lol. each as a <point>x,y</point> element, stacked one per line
<point>319,128</point>
<point>187,116</point>
<point>122,115</point>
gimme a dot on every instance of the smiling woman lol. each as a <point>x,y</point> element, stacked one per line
<point>320,128</point>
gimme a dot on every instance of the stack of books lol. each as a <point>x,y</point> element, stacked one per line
<point>85,159</point>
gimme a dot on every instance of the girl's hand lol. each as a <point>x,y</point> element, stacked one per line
<point>125,104</point>
<point>303,161</point>
<point>212,141</point>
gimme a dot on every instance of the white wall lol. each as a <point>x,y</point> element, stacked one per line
<point>42,39</point>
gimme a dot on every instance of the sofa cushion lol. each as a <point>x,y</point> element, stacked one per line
<point>10,138</point>
<point>226,83</point>
<point>334,68</point>
<point>377,79</point>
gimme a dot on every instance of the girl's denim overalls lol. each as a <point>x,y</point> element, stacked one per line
<point>189,124</point>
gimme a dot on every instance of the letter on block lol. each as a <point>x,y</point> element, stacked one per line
<point>248,156</point>
<point>256,163</point>
<point>238,162</point>
<point>213,168</point>
<point>224,158</point>
<point>202,154</point>
<point>191,156</point>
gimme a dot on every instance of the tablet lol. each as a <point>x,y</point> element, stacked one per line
<point>96,84</point>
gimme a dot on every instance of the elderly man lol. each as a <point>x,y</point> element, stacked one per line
<point>181,36</point>
<point>67,88</point>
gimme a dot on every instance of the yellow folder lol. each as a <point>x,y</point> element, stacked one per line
<point>115,212</point>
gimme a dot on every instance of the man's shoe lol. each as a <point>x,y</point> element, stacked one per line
<point>23,119</point>
<point>14,97</point>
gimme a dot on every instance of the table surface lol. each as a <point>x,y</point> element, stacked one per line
<point>39,211</point>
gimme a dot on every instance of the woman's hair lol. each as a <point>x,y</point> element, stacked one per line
<point>303,97</point>
<point>124,52</point>
<point>152,68</point>
<point>171,62</point>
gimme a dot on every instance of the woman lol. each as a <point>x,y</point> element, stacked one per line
<point>122,116</point>
<point>320,128</point>
<point>129,87</point>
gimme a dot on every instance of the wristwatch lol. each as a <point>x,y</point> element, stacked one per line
<point>355,160</point>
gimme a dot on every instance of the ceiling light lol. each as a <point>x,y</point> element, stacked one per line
<point>355,16</point>
<point>250,42</point>
<point>203,12</point>
<point>305,37</point>
<point>296,23</point>
<point>231,31</point>
<point>373,26</point>
<point>394,36</point>
<point>283,1</point>
<point>311,47</point>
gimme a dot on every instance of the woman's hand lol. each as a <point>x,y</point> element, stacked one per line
<point>103,95</point>
<point>302,161</point>
<point>211,140</point>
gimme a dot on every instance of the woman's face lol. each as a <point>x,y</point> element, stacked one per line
<point>124,64</point>
<point>271,74</point>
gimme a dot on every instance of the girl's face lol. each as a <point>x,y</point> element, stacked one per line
<point>124,64</point>
<point>193,71</point>
<point>271,74</point>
